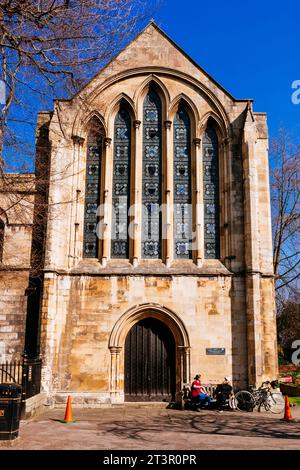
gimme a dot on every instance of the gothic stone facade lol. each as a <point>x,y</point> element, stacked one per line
<point>100,296</point>
<point>17,193</point>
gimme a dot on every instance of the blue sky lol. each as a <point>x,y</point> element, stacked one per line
<point>252,48</point>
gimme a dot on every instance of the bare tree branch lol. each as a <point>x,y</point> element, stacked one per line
<point>60,44</point>
<point>285,197</point>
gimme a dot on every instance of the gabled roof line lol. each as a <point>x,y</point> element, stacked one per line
<point>113,58</point>
<point>182,51</point>
<point>152,22</point>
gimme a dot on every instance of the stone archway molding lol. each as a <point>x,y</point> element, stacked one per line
<point>121,329</point>
<point>154,71</point>
<point>145,310</point>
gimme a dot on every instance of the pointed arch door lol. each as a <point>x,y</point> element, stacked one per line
<point>150,362</point>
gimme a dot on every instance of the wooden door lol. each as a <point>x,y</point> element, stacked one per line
<point>149,362</point>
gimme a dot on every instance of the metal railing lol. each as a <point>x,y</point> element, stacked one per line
<point>11,372</point>
<point>26,373</point>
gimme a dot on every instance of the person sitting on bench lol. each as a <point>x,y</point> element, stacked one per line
<point>199,393</point>
<point>223,392</point>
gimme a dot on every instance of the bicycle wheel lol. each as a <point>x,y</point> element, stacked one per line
<point>244,401</point>
<point>275,403</point>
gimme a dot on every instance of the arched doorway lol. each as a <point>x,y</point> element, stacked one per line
<point>150,362</point>
<point>170,324</point>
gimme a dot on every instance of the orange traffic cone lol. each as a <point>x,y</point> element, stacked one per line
<point>69,415</point>
<point>287,410</point>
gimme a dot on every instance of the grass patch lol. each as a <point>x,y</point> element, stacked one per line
<point>294,400</point>
<point>295,373</point>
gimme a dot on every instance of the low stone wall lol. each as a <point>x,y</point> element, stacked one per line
<point>35,405</point>
<point>81,400</point>
<point>290,390</point>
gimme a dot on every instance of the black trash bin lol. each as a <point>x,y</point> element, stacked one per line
<point>10,410</point>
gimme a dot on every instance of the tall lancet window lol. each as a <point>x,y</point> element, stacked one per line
<point>182,185</point>
<point>211,194</point>
<point>121,184</point>
<point>92,189</point>
<point>151,193</point>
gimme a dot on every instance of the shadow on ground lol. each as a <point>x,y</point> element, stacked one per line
<point>229,424</point>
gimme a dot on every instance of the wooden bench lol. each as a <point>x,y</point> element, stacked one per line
<point>187,388</point>
<point>186,397</point>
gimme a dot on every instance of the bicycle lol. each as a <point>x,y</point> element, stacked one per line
<point>262,396</point>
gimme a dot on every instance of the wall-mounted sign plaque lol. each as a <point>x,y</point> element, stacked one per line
<point>215,351</point>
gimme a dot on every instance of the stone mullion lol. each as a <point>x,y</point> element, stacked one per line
<point>78,141</point>
<point>106,212</point>
<point>137,201</point>
<point>167,213</point>
<point>199,209</point>
<point>223,202</point>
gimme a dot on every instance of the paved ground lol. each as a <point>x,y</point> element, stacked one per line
<point>134,428</point>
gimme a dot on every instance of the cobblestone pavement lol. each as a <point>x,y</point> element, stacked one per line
<point>138,428</point>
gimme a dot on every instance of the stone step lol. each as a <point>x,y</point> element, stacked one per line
<point>140,404</point>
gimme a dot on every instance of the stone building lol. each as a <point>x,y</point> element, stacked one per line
<point>157,256</point>
<point>17,193</point>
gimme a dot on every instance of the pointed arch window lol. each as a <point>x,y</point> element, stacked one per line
<point>152,192</point>
<point>182,185</point>
<point>121,184</point>
<point>211,194</point>
<point>92,189</point>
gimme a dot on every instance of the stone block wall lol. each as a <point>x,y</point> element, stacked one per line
<point>13,302</point>
<point>79,314</point>
<point>16,212</point>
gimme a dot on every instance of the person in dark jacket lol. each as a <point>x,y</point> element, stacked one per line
<point>223,392</point>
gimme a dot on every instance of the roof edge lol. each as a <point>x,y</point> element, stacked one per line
<point>182,51</point>
<point>179,48</point>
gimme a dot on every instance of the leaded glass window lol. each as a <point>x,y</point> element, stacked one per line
<point>92,191</point>
<point>211,194</point>
<point>182,185</point>
<point>151,195</point>
<point>121,181</point>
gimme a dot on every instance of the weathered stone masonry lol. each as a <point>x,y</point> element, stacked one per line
<point>89,305</point>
